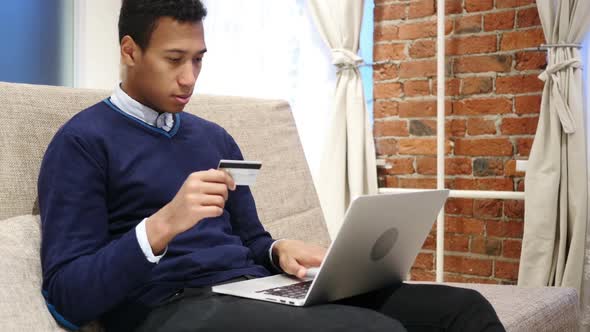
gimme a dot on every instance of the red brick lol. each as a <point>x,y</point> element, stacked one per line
<point>453,7</point>
<point>400,166</point>
<point>422,275</point>
<point>391,128</point>
<point>385,108</point>
<point>456,242</point>
<point>386,146</point>
<point>520,186</point>
<point>459,206</point>
<point>478,5</point>
<point>387,90</point>
<point>453,166</point>
<point>417,88</point>
<point>518,84</point>
<point>473,266</point>
<point>499,21</point>
<point>429,243</point>
<point>391,181</point>
<point>471,45</point>
<point>386,32</point>
<point>516,40</point>
<point>421,108</point>
<point>527,104</point>
<point>464,184</point>
<point>482,106</point>
<point>519,126</point>
<point>495,184</point>
<point>385,71</point>
<point>414,31</point>
<point>420,68</point>
<point>423,49</point>
<point>523,146</point>
<point>514,209</point>
<point>478,126</point>
<point>424,261</point>
<point>420,146</point>
<point>390,12</point>
<point>528,17</point>
<point>482,64</point>
<point>488,167</point>
<point>468,226</point>
<point>486,246</point>
<point>421,8</point>
<point>468,24</point>
<point>423,127</point>
<point>511,228</point>
<point>531,60</point>
<point>387,52</point>
<point>452,86</point>
<point>450,277</point>
<point>483,147</point>
<point>420,183</point>
<point>512,248</point>
<point>456,128</point>
<point>510,169</point>
<point>506,270</point>
<point>477,85</point>
<point>513,3</point>
<point>487,208</point>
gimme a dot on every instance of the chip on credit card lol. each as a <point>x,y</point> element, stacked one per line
<point>242,171</point>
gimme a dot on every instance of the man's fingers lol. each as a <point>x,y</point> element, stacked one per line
<point>219,176</point>
<point>210,188</point>
<point>292,267</point>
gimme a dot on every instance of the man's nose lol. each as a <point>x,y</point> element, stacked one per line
<point>188,76</point>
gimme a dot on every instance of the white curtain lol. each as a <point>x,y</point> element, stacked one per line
<point>271,49</point>
<point>347,167</point>
<point>556,183</point>
<point>585,291</point>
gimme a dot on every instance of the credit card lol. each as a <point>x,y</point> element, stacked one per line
<point>242,171</point>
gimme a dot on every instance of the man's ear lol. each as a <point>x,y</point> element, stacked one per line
<point>129,51</point>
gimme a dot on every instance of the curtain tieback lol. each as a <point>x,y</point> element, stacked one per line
<point>558,100</point>
<point>344,59</point>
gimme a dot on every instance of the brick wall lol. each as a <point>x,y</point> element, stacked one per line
<point>492,106</point>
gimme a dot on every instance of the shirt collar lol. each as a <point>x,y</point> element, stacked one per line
<point>141,112</point>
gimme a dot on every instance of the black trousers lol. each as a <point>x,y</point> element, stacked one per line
<point>405,307</point>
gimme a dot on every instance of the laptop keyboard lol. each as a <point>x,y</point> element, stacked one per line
<point>295,291</point>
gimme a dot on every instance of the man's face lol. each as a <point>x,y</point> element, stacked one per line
<point>163,75</point>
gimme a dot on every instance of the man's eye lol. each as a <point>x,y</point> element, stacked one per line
<point>174,60</point>
<point>197,60</point>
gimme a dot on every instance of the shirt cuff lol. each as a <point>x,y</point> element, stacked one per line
<point>144,244</point>
<point>270,258</point>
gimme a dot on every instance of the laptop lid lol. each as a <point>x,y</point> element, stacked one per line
<point>377,244</point>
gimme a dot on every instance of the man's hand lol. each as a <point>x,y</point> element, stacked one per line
<point>202,195</point>
<point>296,256</point>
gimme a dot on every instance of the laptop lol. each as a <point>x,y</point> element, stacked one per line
<point>376,246</point>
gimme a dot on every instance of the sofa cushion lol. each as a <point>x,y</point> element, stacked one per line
<point>20,277</point>
<point>539,309</point>
<point>22,307</point>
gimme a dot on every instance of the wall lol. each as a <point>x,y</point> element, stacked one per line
<point>493,100</point>
<point>96,43</point>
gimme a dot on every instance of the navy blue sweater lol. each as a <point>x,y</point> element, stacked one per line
<point>103,173</point>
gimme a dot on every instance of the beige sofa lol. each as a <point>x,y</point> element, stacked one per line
<point>285,196</point>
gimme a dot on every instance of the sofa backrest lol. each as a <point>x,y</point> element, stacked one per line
<point>265,130</point>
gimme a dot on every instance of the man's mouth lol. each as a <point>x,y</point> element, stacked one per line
<point>183,99</point>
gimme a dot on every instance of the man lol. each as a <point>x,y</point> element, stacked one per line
<point>137,224</point>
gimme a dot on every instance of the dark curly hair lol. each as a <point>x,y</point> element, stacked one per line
<point>138,18</point>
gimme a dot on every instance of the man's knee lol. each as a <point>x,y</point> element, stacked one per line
<point>475,312</point>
